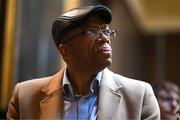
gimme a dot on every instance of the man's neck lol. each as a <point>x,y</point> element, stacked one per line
<point>80,80</point>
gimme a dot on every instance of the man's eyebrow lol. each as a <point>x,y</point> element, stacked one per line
<point>99,26</point>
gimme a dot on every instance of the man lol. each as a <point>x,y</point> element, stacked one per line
<point>168,99</point>
<point>85,89</point>
<point>177,116</point>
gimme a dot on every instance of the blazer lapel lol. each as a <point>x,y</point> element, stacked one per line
<point>52,103</point>
<point>110,96</point>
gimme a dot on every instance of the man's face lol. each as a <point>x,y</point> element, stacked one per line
<point>91,49</point>
<point>168,101</point>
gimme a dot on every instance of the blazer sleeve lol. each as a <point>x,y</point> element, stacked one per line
<point>150,108</point>
<point>13,107</point>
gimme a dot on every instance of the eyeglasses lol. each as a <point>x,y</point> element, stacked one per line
<point>95,33</point>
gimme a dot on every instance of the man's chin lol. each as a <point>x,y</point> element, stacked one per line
<point>107,62</point>
<point>103,64</point>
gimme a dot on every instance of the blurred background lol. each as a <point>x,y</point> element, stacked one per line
<point>147,46</point>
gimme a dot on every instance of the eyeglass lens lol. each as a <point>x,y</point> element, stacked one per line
<point>96,33</point>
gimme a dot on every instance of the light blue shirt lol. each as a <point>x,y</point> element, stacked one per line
<point>78,107</point>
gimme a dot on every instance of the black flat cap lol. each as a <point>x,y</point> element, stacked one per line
<point>74,17</point>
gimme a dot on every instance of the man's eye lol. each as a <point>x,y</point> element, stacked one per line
<point>93,30</point>
<point>106,32</point>
<point>178,101</point>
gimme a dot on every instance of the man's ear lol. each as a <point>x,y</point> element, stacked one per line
<point>65,51</point>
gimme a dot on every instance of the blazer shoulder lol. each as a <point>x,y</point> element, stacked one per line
<point>127,80</point>
<point>31,87</point>
<point>45,84</point>
<point>38,82</point>
<point>132,84</point>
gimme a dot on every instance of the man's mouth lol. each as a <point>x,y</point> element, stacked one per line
<point>105,51</point>
<point>105,47</point>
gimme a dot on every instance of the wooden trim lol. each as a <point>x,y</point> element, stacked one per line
<point>8,53</point>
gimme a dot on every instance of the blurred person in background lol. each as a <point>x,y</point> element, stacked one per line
<point>168,96</point>
<point>177,117</point>
<point>85,89</point>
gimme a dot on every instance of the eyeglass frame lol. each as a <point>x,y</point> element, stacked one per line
<point>97,32</point>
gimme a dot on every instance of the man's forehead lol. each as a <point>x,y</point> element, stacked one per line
<point>168,93</point>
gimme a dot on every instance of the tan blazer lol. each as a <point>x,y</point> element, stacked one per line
<point>120,98</point>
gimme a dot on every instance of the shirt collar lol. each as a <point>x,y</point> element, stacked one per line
<point>65,79</point>
<point>67,83</point>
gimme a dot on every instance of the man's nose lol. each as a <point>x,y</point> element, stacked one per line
<point>104,38</point>
<point>174,103</point>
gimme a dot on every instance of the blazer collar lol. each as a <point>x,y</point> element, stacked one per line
<point>51,105</point>
<point>109,80</point>
<point>110,89</point>
<point>110,96</point>
<point>54,84</point>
